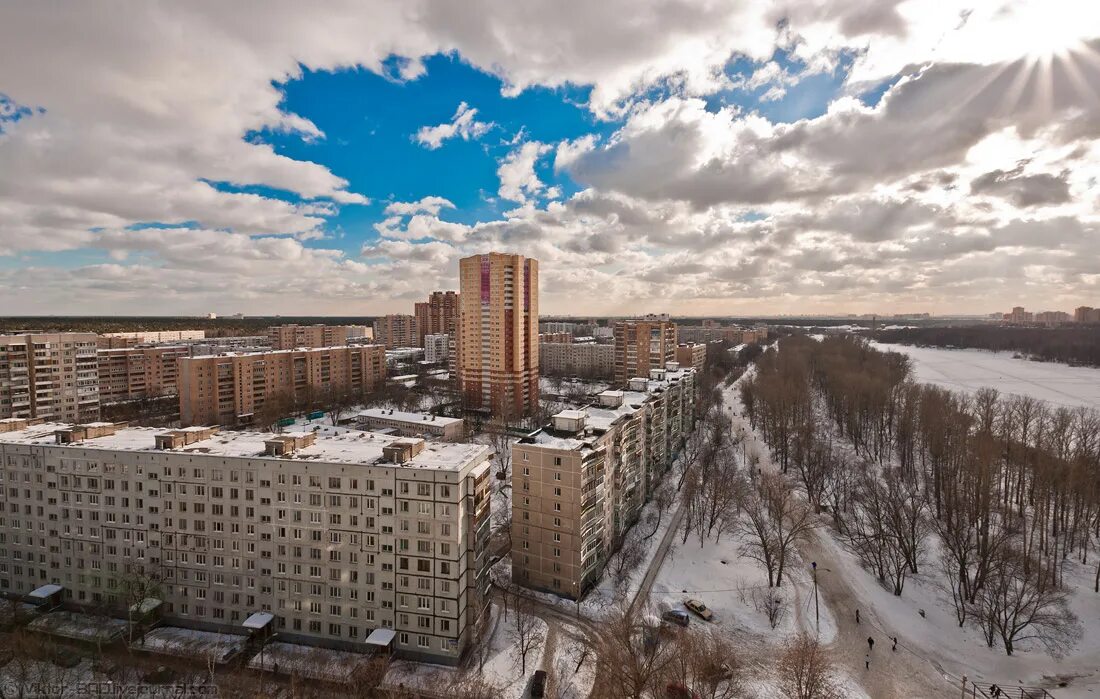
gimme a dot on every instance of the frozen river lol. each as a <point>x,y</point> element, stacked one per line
<point>969,370</point>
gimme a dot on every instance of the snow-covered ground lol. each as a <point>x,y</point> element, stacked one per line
<point>972,369</point>
<point>501,668</point>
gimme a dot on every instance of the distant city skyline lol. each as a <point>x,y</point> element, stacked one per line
<point>738,158</point>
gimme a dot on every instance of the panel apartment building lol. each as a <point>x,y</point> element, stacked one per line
<point>641,345</point>
<point>139,372</point>
<point>437,316</point>
<point>52,376</point>
<point>579,483</point>
<point>395,331</point>
<point>498,345</point>
<point>334,535</point>
<point>230,389</point>
<point>284,337</point>
<point>584,359</point>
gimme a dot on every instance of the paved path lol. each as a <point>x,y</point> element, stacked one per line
<point>659,558</point>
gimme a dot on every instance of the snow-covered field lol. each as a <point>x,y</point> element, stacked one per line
<point>972,369</point>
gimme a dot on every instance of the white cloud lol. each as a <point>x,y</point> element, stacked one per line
<point>518,179</point>
<point>463,124</point>
<point>920,199</point>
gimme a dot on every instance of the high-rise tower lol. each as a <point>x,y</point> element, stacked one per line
<point>498,334</point>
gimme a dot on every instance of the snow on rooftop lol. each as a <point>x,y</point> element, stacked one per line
<point>45,591</point>
<point>258,620</point>
<point>380,637</point>
<point>308,661</point>
<point>191,643</point>
<point>350,447</point>
<point>79,627</point>
<point>403,416</point>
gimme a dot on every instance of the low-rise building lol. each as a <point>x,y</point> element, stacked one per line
<point>335,536</point>
<point>413,424</point>
<point>580,482</point>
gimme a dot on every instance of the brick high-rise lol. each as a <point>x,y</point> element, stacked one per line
<point>498,334</point>
<point>643,344</point>
<point>53,376</point>
<point>395,331</point>
<point>438,315</point>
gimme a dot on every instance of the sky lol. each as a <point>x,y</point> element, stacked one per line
<point>691,157</point>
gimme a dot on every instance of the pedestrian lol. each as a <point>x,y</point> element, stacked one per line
<point>857,616</point>
<point>994,691</point>
<point>895,646</point>
<point>870,644</point>
<point>867,661</point>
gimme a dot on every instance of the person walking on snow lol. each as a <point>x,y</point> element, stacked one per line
<point>895,646</point>
<point>857,616</point>
<point>867,661</point>
<point>870,644</point>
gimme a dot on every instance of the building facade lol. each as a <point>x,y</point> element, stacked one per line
<point>498,351</point>
<point>438,315</point>
<point>642,345</point>
<point>586,360</point>
<point>233,389</point>
<point>395,331</point>
<point>334,535</point>
<point>437,348</point>
<point>139,372</point>
<point>284,337</point>
<point>413,424</point>
<point>146,337</point>
<point>52,376</point>
<point>1086,314</point>
<point>580,483</point>
<point>694,356</point>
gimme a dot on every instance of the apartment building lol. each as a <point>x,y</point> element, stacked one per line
<point>579,483</point>
<point>438,315</point>
<point>498,351</point>
<point>138,372</point>
<point>413,424</point>
<point>333,535</point>
<point>1086,314</point>
<point>437,348</point>
<point>643,344</point>
<point>284,337</point>
<point>146,337</point>
<point>692,355</point>
<point>395,331</point>
<point>558,327</point>
<point>231,389</point>
<point>587,360</point>
<point>51,376</point>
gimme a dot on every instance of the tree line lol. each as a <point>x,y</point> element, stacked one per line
<point>1004,489</point>
<point>1077,344</point>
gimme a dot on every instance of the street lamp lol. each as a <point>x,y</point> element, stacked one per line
<point>817,608</point>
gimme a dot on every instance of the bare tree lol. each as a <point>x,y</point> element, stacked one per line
<point>775,520</point>
<point>525,632</point>
<point>807,672</point>
<point>771,603</point>
<point>631,664</point>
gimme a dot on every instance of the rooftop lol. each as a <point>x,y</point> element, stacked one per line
<point>402,416</point>
<point>284,351</point>
<point>350,447</point>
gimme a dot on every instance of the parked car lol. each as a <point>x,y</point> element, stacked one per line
<point>676,616</point>
<point>538,684</point>
<point>699,608</point>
